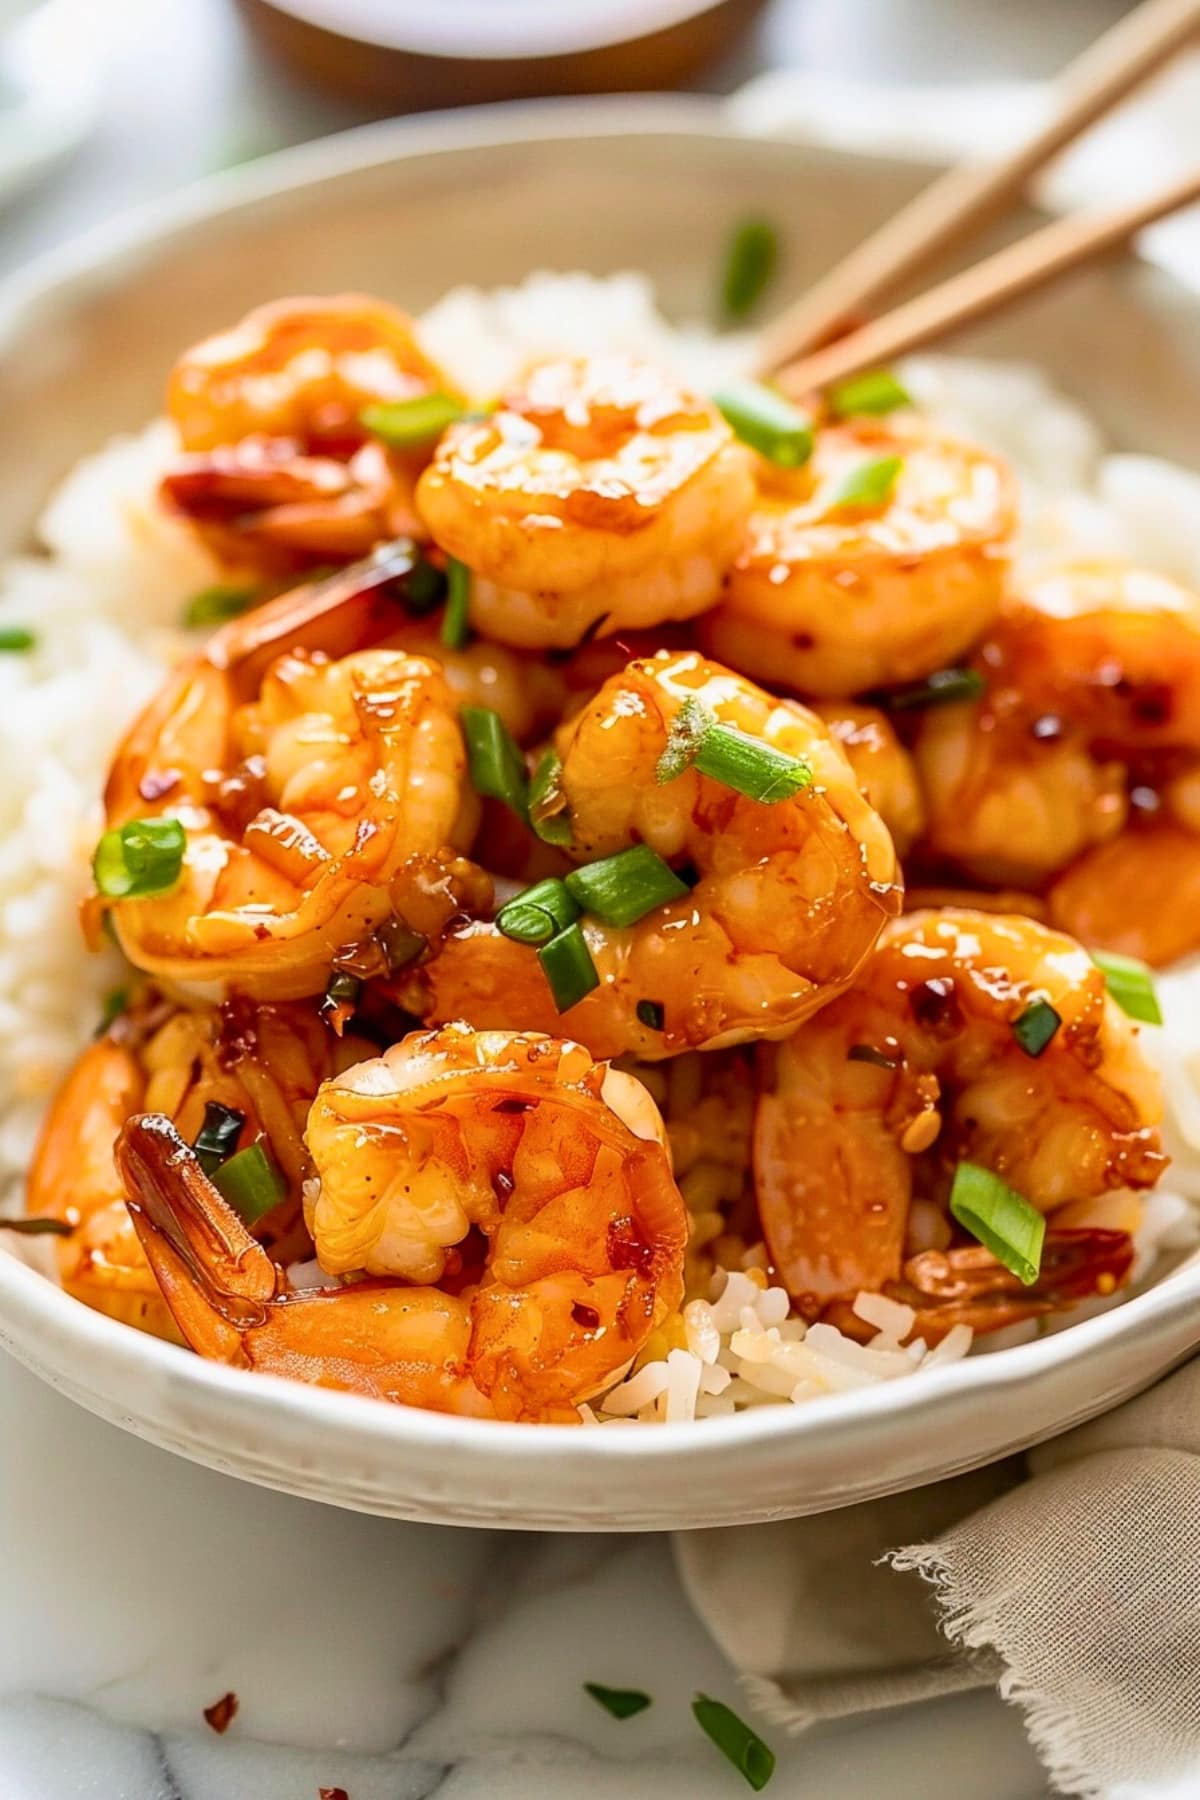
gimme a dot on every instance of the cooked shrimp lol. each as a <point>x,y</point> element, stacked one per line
<point>833,599</point>
<point>842,1145</point>
<point>523,1192</point>
<point>882,766</point>
<point>305,783</point>
<point>1139,894</point>
<point>1093,690</point>
<point>789,900</point>
<point>269,417</point>
<point>528,692</point>
<point>263,1063</point>
<point>600,497</point>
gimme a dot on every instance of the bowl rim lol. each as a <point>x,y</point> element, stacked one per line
<point>36,1300</point>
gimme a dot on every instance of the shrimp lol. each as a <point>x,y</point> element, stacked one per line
<point>1103,899</point>
<point>262,1063</point>
<point>865,1112</point>
<point>269,414</point>
<point>600,497</point>
<point>518,1196</point>
<point>789,900</point>
<point>529,693</point>
<point>883,767</point>
<point>1093,695</point>
<point>306,782</point>
<point>834,599</point>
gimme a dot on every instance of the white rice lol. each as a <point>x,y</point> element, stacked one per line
<point>105,596</point>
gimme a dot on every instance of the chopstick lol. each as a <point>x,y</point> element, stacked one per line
<point>1016,270</point>
<point>962,199</point>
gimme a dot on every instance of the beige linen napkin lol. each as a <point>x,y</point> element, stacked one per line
<point>1072,1583</point>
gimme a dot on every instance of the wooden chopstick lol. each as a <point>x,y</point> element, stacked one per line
<point>1016,270</point>
<point>962,199</point>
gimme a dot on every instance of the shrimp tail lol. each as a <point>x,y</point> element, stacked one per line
<point>218,1281</point>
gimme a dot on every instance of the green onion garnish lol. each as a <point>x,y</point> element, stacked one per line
<point>569,968</point>
<point>497,765</point>
<point>622,1703</point>
<point>1034,1028</point>
<point>214,605</point>
<point>342,993</point>
<point>689,728</point>
<point>751,767</point>
<point>112,1006</point>
<point>749,266</point>
<point>400,944</point>
<point>38,1227</point>
<point>548,812</point>
<point>874,393</point>
<point>733,1737</point>
<point>217,1138</point>
<point>652,1014</point>
<point>538,914</point>
<point>1001,1219</point>
<point>943,688</point>
<point>867,1053</point>
<point>424,588</point>
<point>408,424</point>
<point>767,422</point>
<point>622,889</point>
<point>456,627</point>
<point>17,637</point>
<point>867,483</point>
<point>1131,985</point>
<point>252,1182</point>
<point>139,858</point>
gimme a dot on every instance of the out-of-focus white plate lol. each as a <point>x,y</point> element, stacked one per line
<point>409,210</point>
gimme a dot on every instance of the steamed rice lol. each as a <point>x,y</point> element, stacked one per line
<point>105,598</point>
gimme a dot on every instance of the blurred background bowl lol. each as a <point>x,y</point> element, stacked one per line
<point>456,52</point>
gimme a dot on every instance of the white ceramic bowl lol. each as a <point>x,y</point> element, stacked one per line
<point>408,210</point>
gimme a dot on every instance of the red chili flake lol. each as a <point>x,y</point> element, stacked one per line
<point>586,1316</point>
<point>332,1794</point>
<point>627,1248</point>
<point>221,1714</point>
<point>935,1005</point>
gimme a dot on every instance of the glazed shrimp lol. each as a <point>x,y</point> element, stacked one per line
<point>1093,692</point>
<point>831,599</point>
<point>789,898</point>
<point>305,782</point>
<point>276,457</point>
<point>262,1063</point>
<point>522,1192</point>
<point>865,1112</point>
<point>882,766</point>
<point>1138,894</point>
<point>599,497</point>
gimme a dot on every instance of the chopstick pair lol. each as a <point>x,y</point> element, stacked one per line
<point>795,350</point>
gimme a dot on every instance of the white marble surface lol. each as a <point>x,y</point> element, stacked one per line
<point>394,1661</point>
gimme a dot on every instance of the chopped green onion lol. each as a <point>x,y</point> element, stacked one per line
<point>1001,1219</point>
<point>139,858</point>
<point>1131,985</point>
<point>749,266</point>
<point>568,967</point>
<point>622,889</point>
<point>456,627</point>
<point>113,1005</point>
<point>17,637</point>
<point>342,992</point>
<point>497,765</point>
<point>548,812</point>
<point>867,483</point>
<point>652,1014</point>
<point>689,728</point>
<point>733,1737</point>
<point>867,1053</point>
<point>622,1703</point>
<point>38,1227</point>
<point>214,605</point>
<point>252,1182</point>
<point>945,687</point>
<point>408,424</point>
<point>751,767</point>
<point>424,588</point>
<point>1034,1028</point>
<point>538,914</point>
<point>400,944</point>
<point>767,422</point>
<point>874,393</point>
<point>217,1138</point>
